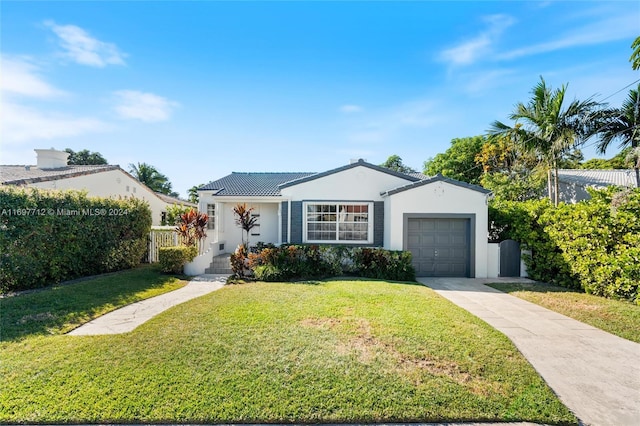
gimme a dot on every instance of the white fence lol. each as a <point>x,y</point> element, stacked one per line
<point>160,236</point>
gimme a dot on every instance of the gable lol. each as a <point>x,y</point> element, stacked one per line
<point>358,181</point>
<point>434,180</point>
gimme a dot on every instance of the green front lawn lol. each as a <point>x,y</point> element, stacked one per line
<point>330,351</point>
<point>60,309</point>
<point>617,317</point>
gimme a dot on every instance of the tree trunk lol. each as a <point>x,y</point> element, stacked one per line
<point>549,184</point>
<point>557,184</point>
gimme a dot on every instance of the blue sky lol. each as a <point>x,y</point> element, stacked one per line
<point>200,89</point>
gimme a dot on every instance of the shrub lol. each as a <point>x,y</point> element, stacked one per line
<point>384,264</point>
<point>239,261</point>
<point>173,259</point>
<point>593,245</point>
<point>51,236</point>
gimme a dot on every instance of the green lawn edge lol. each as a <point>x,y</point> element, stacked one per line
<point>318,352</point>
<point>617,317</point>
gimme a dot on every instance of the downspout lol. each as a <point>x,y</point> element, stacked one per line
<point>288,220</point>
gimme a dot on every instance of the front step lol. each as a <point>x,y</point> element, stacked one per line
<point>220,265</point>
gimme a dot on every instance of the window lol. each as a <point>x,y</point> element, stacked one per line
<point>211,212</point>
<point>339,222</point>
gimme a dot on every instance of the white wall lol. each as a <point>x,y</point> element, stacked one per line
<point>358,184</point>
<point>438,197</point>
<point>114,184</point>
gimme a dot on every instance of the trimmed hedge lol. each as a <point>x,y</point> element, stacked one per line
<point>173,259</point>
<point>290,262</point>
<point>51,236</point>
<point>593,245</point>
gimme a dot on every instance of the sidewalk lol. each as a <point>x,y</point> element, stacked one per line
<point>594,373</point>
<point>129,317</point>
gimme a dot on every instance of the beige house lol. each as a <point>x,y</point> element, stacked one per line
<point>109,181</point>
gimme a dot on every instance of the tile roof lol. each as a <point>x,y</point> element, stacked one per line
<point>173,200</point>
<point>252,184</point>
<point>24,175</point>
<point>598,178</point>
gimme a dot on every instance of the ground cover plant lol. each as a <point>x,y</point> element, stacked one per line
<point>617,317</point>
<point>316,352</point>
<point>59,309</point>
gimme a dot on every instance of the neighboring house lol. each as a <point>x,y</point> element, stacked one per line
<point>573,184</point>
<point>109,181</point>
<point>443,222</point>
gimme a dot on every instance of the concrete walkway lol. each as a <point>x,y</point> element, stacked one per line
<point>129,317</point>
<point>594,373</point>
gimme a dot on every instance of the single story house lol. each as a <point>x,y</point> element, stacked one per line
<point>573,184</point>
<point>442,222</point>
<point>108,181</point>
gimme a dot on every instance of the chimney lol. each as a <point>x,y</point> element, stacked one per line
<point>51,159</point>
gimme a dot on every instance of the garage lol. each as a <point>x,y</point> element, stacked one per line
<point>441,247</point>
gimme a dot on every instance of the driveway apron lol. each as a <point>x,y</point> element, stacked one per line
<point>131,316</point>
<point>594,373</point>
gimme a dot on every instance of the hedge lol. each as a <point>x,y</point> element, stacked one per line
<point>51,236</point>
<point>290,262</point>
<point>593,245</point>
<point>173,259</point>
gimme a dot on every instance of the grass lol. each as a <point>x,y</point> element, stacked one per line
<point>60,309</point>
<point>317,352</point>
<point>614,316</point>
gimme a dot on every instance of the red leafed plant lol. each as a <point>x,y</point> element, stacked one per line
<point>192,227</point>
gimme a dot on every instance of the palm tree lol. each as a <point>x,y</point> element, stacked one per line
<point>549,130</point>
<point>624,125</point>
<point>151,177</point>
<point>193,193</point>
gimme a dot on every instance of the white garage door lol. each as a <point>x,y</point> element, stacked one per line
<point>440,247</point>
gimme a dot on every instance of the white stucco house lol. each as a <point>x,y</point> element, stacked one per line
<point>443,222</point>
<point>109,181</point>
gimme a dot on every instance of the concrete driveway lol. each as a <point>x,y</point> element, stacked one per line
<point>594,373</point>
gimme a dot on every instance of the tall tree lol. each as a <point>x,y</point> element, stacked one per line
<point>394,162</point>
<point>85,157</point>
<point>551,131</point>
<point>151,177</point>
<point>623,125</point>
<point>458,161</point>
<point>193,193</point>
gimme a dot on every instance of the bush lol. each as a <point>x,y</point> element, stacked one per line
<point>173,259</point>
<point>593,245</point>
<point>51,236</point>
<point>290,262</point>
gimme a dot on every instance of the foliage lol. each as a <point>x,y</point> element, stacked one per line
<point>192,227</point>
<point>384,264</point>
<point>239,261</point>
<point>514,187</point>
<point>548,129</point>
<point>245,219</point>
<point>635,56</point>
<point>193,193</point>
<point>323,352</point>
<point>458,161</point>
<point>312,261</point>
<point>173,259</point>
<point>51,236</point>
<point>593,245</point>
<point>85,157</point>
<point>150,176</point>
<point>394,162</point>
<point>174,212</point>
<point>619,161</point>
<point>622,125</point>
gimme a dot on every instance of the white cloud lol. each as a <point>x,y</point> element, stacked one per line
<point>142,106</point>
<point>471,50</point>
<point>84,49</point>
<point>610,29</point>
<point>350,109</point>
<point>20,124</point>
<point>20,77</point>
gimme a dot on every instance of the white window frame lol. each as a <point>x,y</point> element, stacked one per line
<point>370,220</point>
<point>211,225</point>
